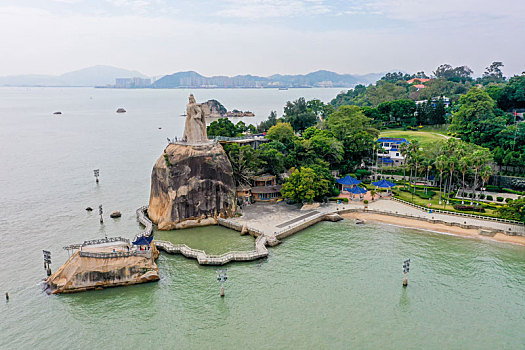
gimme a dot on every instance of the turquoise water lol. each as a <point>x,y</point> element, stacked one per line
<point>212,239</point>
<point>334,285</point>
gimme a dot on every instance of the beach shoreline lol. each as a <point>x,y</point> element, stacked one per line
<point>427,226</point>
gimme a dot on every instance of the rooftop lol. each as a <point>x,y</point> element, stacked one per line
<point>396,140</point>
<point>267,189</point>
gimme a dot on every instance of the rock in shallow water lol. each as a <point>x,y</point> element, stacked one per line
<point>191,185</point>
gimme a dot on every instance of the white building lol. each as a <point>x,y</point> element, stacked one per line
<point>388,153</point>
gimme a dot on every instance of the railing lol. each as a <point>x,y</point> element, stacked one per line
<point>186,143</point>
<point>105,240</point>
<point>111,255</point>
<point>482,217</point>
<point>239,138</point>
<point>205,259</point>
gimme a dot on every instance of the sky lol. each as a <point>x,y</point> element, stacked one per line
<point>260,37</point>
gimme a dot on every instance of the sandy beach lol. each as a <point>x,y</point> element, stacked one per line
<point>424,225</point>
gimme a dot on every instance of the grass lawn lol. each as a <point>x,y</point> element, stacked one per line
<point>435,204</point>
<point>424,138</point>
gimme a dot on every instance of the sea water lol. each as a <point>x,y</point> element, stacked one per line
<point>334,285</point>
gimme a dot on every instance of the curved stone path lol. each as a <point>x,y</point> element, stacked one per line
<point>259,252</point>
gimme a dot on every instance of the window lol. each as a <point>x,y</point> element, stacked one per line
<point>397,154</point>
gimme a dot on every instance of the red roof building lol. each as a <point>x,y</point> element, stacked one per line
<point>417,81</point>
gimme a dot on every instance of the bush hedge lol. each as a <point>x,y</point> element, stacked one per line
<point>476,208</point>
<point>335,199</point>
<point>499,199</point>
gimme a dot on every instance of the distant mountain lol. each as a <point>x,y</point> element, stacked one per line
<point>92,76</point>
<point>320,78</point>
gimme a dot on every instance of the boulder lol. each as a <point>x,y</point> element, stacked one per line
<point>115,214</point>
<point>191,185</point>
<point>80,273</point>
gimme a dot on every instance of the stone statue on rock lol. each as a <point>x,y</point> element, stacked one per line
<point>192,182</point>
<point>195,127</point>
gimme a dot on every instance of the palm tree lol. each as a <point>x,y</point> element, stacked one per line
<point>440,164</point>
<point>485,174</point>
<point>403,149</point>
<point>480,158</point>
<point>464,165</point>
<point>451,166</point>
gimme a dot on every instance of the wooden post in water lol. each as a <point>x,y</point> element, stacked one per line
<point>222,277</point>
<point>100,213</point>
<point>96,172</point>
<point>406,268</point>
<point>47,261</point>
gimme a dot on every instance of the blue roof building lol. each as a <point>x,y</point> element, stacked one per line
<point>388,153</point>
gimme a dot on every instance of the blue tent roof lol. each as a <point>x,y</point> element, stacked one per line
<point>358,190</point>
<point>394,140</point>
<point>383,183</point>
<point>143,240</point>
<point>348,180</point>
<point>387,160</point>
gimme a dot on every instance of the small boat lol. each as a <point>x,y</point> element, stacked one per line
<point>183,115</point>
<point>121,110</point>
<point>57,113</point>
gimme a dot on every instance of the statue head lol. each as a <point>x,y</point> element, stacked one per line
<point>192,99</point>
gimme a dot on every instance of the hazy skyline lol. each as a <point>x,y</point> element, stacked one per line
<point>260,37</point>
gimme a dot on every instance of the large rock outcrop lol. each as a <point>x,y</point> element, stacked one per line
<point>81,273</point>
<point>191,185</point>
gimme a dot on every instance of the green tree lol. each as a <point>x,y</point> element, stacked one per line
<point>304,186</point>
<point>493,74</point>
<point>223,127</point>
<point>244,161</point>
<point>513,95</point>
<point>281,132</point>
<point>298,115</point>
<point>476,120</point>
<point>272,160</point>
<point>267,124</point>
<point>350,126</point>
<point>514,210</point>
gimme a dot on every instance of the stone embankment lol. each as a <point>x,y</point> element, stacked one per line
<point>207,259</point>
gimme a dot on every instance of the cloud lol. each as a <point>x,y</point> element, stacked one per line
<point>254,9</point>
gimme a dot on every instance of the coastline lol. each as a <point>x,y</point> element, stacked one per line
<point>427,226</point>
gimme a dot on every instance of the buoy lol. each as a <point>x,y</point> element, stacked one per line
<point>6,296</point>
<point>222,291</point>
<point>405,282</point>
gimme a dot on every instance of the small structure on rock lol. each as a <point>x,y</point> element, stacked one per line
<point>192,181</point>
<point>106,262</point>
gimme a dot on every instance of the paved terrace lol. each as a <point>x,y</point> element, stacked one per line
<point>280,220</point>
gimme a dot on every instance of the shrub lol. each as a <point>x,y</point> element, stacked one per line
<point>361,173</point>
<point>499,199</point>
<point>476,208</point>
<point>508,200</point>
<point>490,198</point>
<point>343,199</point>
<point>493,188</point>
<point>365,201</point>
<point>482,196</point>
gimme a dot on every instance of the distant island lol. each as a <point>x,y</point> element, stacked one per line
<point>321,78</point>
<point>113,77</point>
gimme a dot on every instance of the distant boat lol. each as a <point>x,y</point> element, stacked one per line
<point>121,110</point>
<point>183,115</point>
<point>57,113</point>
<point>283,88</point>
